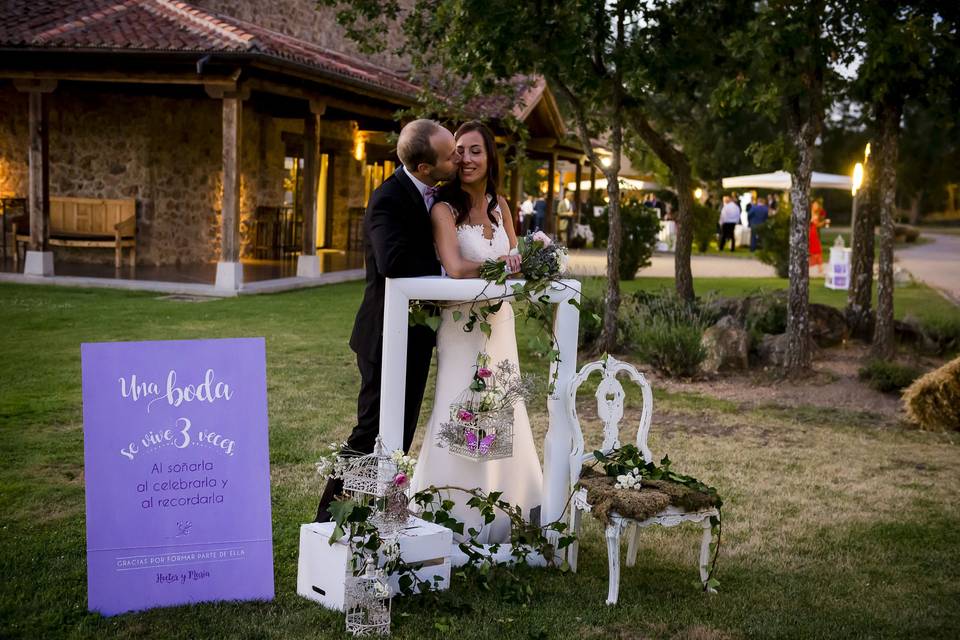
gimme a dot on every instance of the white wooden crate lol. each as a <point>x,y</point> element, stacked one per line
<point>322,568</point>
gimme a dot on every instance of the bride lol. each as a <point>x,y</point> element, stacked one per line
<point>471,224</point>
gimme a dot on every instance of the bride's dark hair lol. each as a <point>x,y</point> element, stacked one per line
<point>453,194</point>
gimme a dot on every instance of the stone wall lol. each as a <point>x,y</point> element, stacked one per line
<point>13,141</point>
<point>165,152</point>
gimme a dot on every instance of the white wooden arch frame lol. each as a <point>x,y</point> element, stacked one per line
<point>558,441</point>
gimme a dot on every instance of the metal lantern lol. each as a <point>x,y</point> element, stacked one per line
<point>370,475</point>
<point>478,433</point>
<point>371,478</point>
<point>367,603</point>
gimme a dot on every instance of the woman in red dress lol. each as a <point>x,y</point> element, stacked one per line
<point>818,218</point>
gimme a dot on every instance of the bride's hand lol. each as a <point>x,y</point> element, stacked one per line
<point>512,262</point>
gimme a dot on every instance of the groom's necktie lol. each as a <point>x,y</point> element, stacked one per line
<point>429,195</point>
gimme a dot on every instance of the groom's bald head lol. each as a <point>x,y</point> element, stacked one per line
<point>426,142</point>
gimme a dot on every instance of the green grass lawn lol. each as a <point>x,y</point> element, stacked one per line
<point>835,527</point>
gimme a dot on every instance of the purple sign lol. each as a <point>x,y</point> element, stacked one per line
<point>177,473</point>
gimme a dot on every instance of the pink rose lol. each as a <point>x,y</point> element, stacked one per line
<point>465,415</point>
<point>543,238</point>
<point>483,372</point>
<point>400,479</point>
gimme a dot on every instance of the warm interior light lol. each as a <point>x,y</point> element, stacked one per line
<point>698,193</point>
<point>866,152</point>
<point>606,162</point>
<point>857,177</point>
<point>358,149</point>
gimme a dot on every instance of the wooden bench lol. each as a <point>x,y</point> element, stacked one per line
<point>87,222</point>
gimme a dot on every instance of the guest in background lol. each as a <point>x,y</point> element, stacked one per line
<point>756,217</point>
<point>539,214</point>
<point>818,218</point>
<point>526,214</point>
<point>565,217</point>
<point>729,219</point>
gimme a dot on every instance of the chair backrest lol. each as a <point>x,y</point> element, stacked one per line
<point>610,396</point>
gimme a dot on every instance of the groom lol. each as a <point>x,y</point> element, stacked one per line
<point>398,241</point>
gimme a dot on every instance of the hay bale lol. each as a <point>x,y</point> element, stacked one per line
<point>651,499</point>
<point>933,401</point>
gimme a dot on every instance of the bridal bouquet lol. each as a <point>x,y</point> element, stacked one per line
<point>481,419</point>
<point>541,261</point>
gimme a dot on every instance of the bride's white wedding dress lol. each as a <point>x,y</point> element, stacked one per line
<point>519,477</point>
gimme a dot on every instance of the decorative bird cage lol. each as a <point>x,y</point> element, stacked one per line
<point>373,478</point>
<point>369,476</point>
<point>367,603</point>
<point>480,427</point>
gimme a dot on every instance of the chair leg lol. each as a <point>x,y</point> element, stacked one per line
<point>613,559</point>
<point>633,533</point>
<point>705,554</point>
<point>574,549</point>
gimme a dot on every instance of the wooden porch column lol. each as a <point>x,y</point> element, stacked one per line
<point>308,263</point>
<point>577,206</point>
<point>39,259</point>
<point>593,182</point>
<point>229,269</point>
<point>550,223</point>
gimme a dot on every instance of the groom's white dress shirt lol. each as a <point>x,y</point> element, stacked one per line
<point>423,188</point>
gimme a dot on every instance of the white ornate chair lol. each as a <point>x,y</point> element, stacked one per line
<point>610,396</point>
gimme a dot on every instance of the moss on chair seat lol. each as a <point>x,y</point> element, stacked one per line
<point>654,496</point>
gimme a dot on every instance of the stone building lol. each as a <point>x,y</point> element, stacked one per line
<point>247,136</point>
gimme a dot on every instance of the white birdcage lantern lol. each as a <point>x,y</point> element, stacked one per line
<point>838,269</point>
<point>372,478</point>
<point>367,603</point>
<point>369,476</point>
<point>479,435</point>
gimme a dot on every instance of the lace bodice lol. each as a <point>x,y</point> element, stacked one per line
<point>475,247</point>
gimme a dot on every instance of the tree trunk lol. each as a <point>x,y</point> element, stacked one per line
<point>883,338</point>
<point>913,215</point>
<point>798,357</point>
<point>608,336</point>
<point>679,167</point>
<point>683,274</point>
<point>860,295</point>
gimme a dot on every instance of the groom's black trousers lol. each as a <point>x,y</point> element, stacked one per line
<point>364,435</point>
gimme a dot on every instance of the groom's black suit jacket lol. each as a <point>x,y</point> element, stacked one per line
<point>398,242</point>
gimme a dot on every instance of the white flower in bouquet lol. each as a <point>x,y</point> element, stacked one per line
<point>563,259</point>
<point>543,238</point>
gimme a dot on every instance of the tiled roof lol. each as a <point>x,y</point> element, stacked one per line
<point>171,26</point>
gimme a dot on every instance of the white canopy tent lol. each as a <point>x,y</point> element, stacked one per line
<point>781,180</point>
<point>626,184</point>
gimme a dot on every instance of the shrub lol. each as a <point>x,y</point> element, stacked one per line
<point>933,401</point>
<point>888,376</point>
<point>704,226</point>
<point>775,241</point>
<point>944,331</point>
<point>640,228</point>
<point>591,321</point>
<point>664,331</point>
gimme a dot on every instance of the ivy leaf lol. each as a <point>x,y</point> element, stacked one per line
<point>485,328</point>
<point>457,315</point>
<point>433,322</point>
